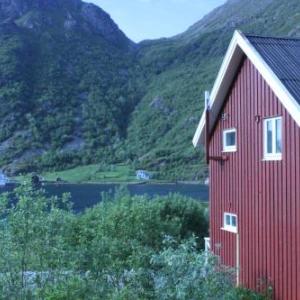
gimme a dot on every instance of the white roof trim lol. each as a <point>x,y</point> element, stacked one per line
<point>239,47</point>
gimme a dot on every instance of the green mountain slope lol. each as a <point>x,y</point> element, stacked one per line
<point>75,90</point>
<point>185,66</point>
<point>67,86</point>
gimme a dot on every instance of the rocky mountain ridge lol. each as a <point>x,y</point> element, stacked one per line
<point>66,14</point>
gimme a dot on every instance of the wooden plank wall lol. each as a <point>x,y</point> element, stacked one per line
<point>264,194</point>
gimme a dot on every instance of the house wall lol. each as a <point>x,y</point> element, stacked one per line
<point>264,194</point>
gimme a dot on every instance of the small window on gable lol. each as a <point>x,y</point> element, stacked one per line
<point>230,222</point>
<point>229,140</point>
<point>273,138</point>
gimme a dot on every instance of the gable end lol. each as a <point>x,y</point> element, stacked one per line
<point>239,47</point>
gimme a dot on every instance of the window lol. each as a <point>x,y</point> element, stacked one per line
<point>273,139</point>
<point>230,222</point>
<point>229,140</point>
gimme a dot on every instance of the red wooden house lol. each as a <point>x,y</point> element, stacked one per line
<point>251,129</point>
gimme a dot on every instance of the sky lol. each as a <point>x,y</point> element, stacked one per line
<point>152,19</point>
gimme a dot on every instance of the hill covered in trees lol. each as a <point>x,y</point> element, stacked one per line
<point>75,90</point>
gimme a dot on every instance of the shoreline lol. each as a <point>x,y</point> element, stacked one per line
<point>125,183</point>
<point>118,183</point>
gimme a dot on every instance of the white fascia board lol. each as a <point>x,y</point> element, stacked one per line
<point>240,44</point>
<point>199,135</point>
<point>224,67</point>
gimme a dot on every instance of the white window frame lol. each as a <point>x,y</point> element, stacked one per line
<point>227,148</point>
<point>273,155</point>
<point>230,227</point>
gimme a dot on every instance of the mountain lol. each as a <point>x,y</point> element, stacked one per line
<point>75,90</point>
<point>70,15</point>
<point>182,68</point>
<point>67,87</point>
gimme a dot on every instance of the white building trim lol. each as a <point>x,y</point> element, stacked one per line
<point>240,46</point>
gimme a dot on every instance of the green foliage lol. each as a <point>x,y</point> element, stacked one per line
<point>75,97</point>
<point>184,273</point>
<point>94,173</point>
<point>120,249</point>
<point>129,230</point>
<point>180,70</point>
<point>245,294</point>
<point>66,94</point>
<point>33,234</point>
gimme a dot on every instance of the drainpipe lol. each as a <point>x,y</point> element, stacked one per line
<point>207,115</point>
<point>237,259</point>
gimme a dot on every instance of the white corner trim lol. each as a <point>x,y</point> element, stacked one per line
<point>197,136</point>
<point>239,41</point>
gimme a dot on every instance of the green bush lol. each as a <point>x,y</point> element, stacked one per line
<point>245,294</point>
<point>33,248</point>
<point>128,230</point>
<point>185,273</point>
<point>182,273</point>
<point>124,248</point>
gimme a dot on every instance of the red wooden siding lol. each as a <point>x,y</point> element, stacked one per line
<point>264,194</point>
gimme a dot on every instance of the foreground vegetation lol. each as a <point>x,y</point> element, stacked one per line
<point>124,248</point>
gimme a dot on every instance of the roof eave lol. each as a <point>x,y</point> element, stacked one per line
<point>239,47</point>
<point>198,137</point>
<point>220,86</point>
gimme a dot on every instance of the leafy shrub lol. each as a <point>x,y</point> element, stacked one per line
<point>120,249</point>
<point>185,273</point>
<point>128,230</point>
<point>33,246</point>
<point>245,294</point>
<point>182,272</point>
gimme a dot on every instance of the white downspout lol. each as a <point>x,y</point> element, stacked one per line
<point>237,259</point>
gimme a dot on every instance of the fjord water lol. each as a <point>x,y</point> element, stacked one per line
<point>87,195</point>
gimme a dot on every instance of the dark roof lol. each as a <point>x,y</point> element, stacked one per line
<point>283,57</point>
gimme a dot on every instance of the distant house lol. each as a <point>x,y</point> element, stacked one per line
<point>143,175</point>
<point>206,181</point>
<point>251,130</point>
<point>3,179</point>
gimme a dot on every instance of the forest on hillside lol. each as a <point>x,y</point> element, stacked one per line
<point>75,91</point>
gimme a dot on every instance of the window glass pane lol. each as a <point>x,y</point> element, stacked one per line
<point>278,136</point>
<point>233,220</point>
<point>230,139</point>
<point>269,136</point>
<point>227,220</point>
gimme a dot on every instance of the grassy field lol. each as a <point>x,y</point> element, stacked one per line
<point>91,173</point>
<point>95,173</point>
